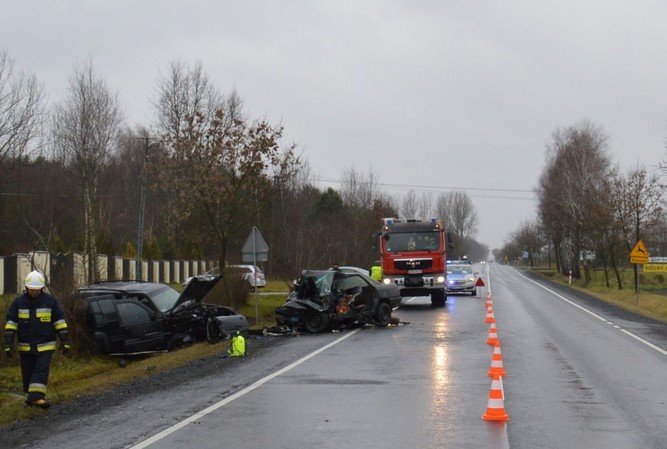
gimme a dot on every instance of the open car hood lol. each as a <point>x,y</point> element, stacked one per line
<point>197,289</point>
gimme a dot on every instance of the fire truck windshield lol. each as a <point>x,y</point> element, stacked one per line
<point>412,241</point>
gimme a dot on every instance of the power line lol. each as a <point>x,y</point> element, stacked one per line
<point>431,187</point>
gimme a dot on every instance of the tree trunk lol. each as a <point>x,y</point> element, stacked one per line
<point>90,245</point>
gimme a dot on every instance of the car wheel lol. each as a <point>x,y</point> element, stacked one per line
<point>383,316</point>
<point>438,298</point>
<point>316,322</point>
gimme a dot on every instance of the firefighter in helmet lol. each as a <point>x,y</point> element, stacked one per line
<point>35,318</point>
<point>376,271</point>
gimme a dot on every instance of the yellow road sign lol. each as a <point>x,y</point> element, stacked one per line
<point>639,254</point>
<point>655,267</point>
<point>639,250</point>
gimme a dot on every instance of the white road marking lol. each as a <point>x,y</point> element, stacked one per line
<point>168,431</point>
<point>636,337</point>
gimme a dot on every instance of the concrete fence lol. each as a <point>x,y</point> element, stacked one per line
<point>70,269</point>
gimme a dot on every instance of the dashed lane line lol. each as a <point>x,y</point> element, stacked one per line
<point>168,431</point>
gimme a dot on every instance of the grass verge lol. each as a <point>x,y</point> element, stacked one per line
<point>649,303</point>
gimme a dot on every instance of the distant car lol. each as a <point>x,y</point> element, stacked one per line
<point>460,278</point>
<point>328,299</point>
<point>135,316</point>
<point>252,274</point>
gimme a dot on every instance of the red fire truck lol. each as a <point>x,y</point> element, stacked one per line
<point>413,256</point>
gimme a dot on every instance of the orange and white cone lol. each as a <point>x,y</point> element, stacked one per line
<point>490,317</point>
<point>493,335</point>
<point>488,297</point>
<point>495,409</point>
<point>489,303</point>
<point>496,362</point>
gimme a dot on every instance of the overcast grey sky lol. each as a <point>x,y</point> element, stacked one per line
<point>448,94</point>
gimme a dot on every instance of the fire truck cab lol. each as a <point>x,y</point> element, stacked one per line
<point>413,256</point>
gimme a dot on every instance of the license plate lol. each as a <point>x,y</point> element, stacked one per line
<point>414,271</point>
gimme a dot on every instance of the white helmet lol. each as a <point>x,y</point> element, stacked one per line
<point>34,280</point>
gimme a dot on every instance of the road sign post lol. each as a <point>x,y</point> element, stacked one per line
<point>638,256</point>
<point>255,250</point>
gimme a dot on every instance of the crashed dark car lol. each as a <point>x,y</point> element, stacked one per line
<point>129,317</point>
<point>327,299</point>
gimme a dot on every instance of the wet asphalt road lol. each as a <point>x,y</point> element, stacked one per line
<point>573,380</point>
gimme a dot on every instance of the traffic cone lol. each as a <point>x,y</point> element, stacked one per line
<point>489,303</point>
<point>490,317</point>
<point>495,409</point>
<point>493,335</point>
<point>496,362</point>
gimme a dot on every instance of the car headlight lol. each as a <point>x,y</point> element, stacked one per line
<point>386,281</point>
<point>471,279</point>
<point>440,280</point>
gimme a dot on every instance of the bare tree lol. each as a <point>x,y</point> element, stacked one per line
<point>576,172</point>
<point>85,130</point>
<point>639,206</point>
<point>220,172</point>
<point>187,100</point>
<point>463,217</point>
<point>409,205</point>
<point>442,209</point>
<point>21,108</point>
<point>358,190</point>
<point>425,206</point>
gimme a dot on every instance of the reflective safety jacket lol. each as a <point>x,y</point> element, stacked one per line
<point>35,321</point>
<point>376,272</point>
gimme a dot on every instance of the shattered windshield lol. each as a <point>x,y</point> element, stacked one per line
<point>315,284</point>
<point>413,241</point>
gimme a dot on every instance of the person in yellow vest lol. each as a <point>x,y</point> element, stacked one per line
<point>376,271</point>
<point>35,318</point>
<point>237,347</point>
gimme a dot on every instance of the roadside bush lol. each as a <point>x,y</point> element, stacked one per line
<point>75,315</point>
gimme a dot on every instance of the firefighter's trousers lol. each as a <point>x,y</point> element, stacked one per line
<point>35,373</point>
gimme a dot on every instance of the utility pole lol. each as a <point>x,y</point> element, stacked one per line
<point>142,207</point>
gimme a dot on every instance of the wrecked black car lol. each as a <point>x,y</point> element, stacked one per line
<point>332,299</point>
<point>129,317</point>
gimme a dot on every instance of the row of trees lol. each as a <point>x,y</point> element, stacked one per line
<point>189,185</point>
<point>589,210</point>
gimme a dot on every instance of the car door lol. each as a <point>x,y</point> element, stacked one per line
<point>368,295</point>
<point>139,326</point>
<point>102,320</point>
